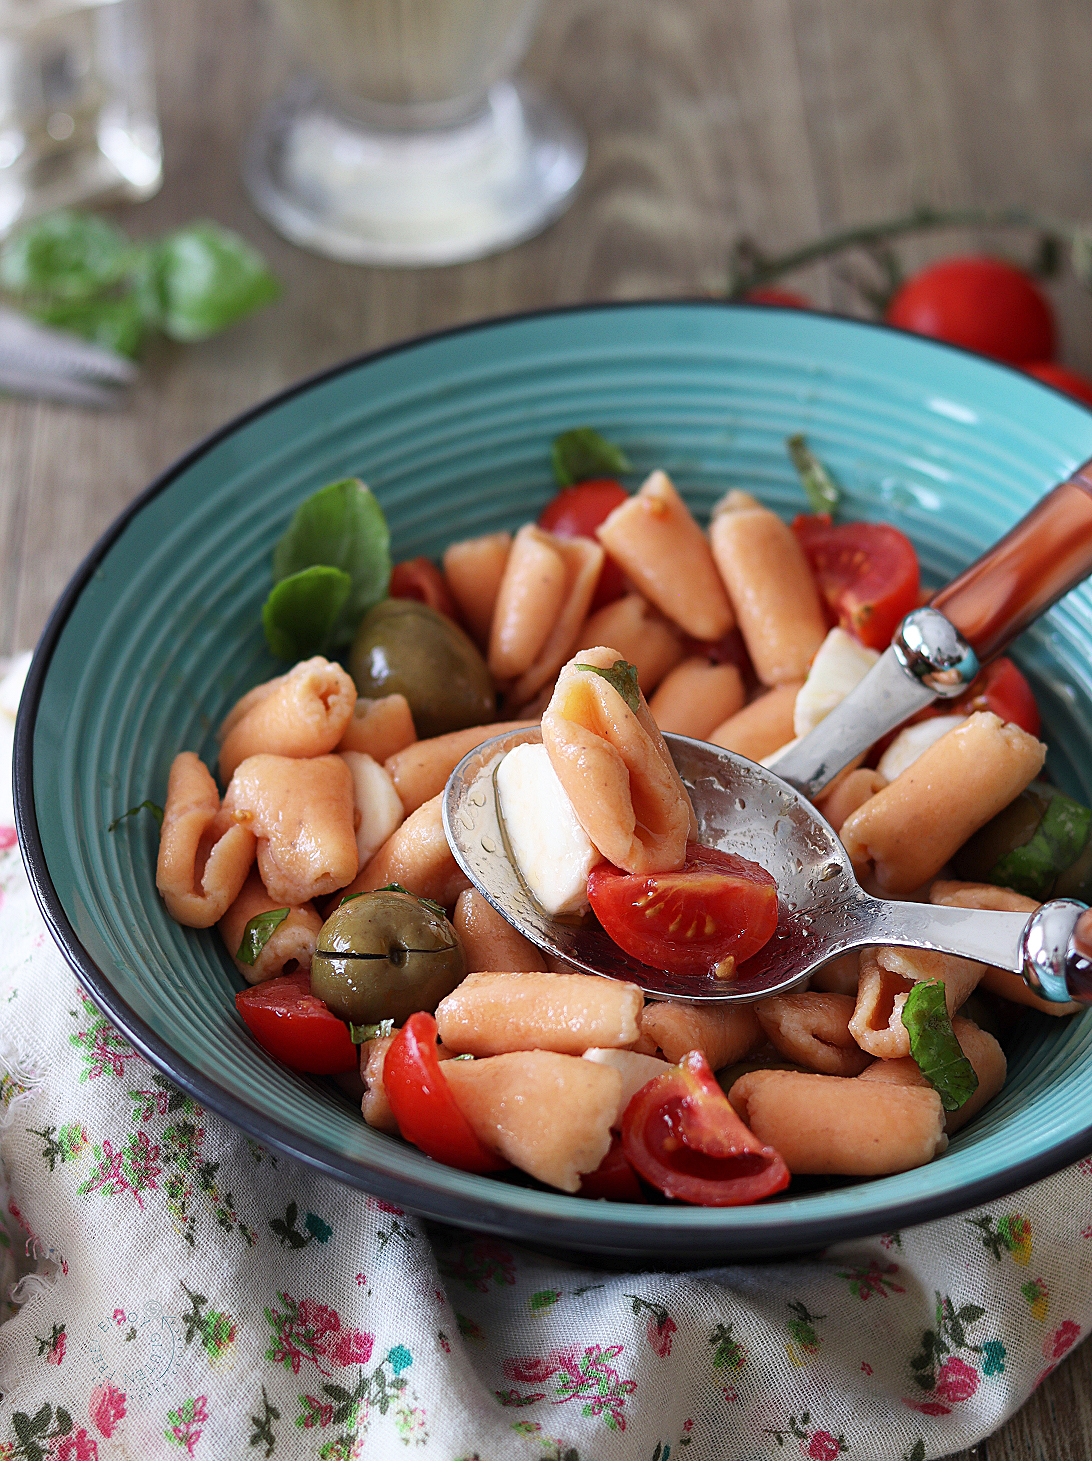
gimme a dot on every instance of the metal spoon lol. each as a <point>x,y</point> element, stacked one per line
<point>765,815</point>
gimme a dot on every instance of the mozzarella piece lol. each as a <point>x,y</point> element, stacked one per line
<point>377,805</point>
<point>908,745</point>
<point>635,1069</point>
<point>839,666</point>
<point>550,848</point>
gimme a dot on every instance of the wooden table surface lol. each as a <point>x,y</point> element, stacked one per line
<point>706,119</point>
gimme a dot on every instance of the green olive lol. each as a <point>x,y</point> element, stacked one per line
<point>385,955</point>
<point>405,647</point>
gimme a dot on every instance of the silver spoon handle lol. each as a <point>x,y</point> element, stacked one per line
<point>1047,949</point>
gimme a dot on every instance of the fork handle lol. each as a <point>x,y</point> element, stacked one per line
<point>1046,554</point>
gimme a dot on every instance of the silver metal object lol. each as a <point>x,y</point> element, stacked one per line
<point>38,361</point>
<point>927,658</point>
<point>822,910</point>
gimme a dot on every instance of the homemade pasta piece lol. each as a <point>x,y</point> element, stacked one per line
<point>203,858</point>
<point>642,635</point>
<point>302,813</point>
<point>665,553</point>
<point>696,697</point>
<point>840,664</point>
<point>723,1033</point>
<point>529,601</point>
<point>550,848</point>
<point>908,831</point>
<point>980,1048</point>
<point>583,563</point>
<point>887,976</point>
<point>375,1106</point>
<point>489,941</point>
<point>848,792</point>
<point>840,976</point>
<point>548,1114</point>
<point>636,1071</point>
<point>379,728</point>
<point>811,1028</point>
<point>770,586</point>
<point>830,1125</point>
<point>616,770</point>
<point>416,856</point>
<point>474,569</point>
<point>494,1013</point>
<point>377,808</point>
<point>302,713</point>
<point>1001,900</point>
<point>288,947</point>
<point>421,771</point>
<point>762,727</point>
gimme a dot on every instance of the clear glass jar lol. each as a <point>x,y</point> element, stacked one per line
<point>77,105</point>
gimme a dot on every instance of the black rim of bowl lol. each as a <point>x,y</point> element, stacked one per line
<point>752,1240</point>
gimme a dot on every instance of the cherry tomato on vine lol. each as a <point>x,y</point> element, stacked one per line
<point>682,1135</point>
<point>718,906</point>
<point>295,1027</point>
<point>420,579</point>
<point>576,512</point>
<point>979,303</point>
<point>1062,379</point>
<point>867,573</point>
<point>773,294</point>
<point>423,1105</point>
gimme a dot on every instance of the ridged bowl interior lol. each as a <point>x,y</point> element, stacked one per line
<point>159,633</point>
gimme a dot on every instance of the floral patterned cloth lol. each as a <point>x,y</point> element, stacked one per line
<point>193,1293</point>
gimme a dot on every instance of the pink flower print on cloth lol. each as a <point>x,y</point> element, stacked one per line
<point>106,1407</point>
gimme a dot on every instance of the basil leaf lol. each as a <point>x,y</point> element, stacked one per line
<point>623,676</point>
<point>301,612</point>
<point>348,898</point>
<point>341,526</point>
<point>934,1046</point>
<point>258,932</point>
<point>581,454</point>
<point>394,888</point>
<point>359,1033</point>
<point>65,255</point>
<point>820,488</point>
<point>209,277</point>
<point>1054,846</point>
<point>156,811</point>
<point>116,322</point>
<point>428,902</point>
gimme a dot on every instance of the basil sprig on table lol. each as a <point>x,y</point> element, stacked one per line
<point>258,932</point>
<point>79,272</point>
<point>934,1046</point>
<point>582,454</point>
<point>820,488</point>
<point>331,566</point>
<point>623,676</point>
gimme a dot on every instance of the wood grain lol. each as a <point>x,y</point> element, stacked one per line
<point>774,118</point>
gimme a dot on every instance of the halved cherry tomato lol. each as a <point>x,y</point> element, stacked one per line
<point>718,907</point>
<point>576,512</point>
<point>680,1133</point>
<point>613,1179</point>
<point>420,579</point>
<point>867,574</point>
<point>1062,379</point>
<point>979,303</point>
<point>772,294</point>
<point>295,1027</point>
<point>422,1102</point>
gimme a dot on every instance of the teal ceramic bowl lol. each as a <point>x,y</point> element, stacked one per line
<point>159,633</point>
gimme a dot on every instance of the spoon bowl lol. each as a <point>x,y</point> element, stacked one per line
<point>823,911</point>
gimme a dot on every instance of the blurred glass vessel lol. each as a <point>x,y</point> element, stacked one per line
<point>77,105</point>
<point>408,143</point>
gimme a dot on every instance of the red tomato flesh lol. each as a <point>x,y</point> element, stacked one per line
<point>1062,379</point>
<point>576,512</point>
<point>867,573</point>
<point>422,1102</point>
<point>1000,688</point>
<point>613,1179</point>
<point>420,579</point>
<point>981,304</point>
<point>682,1135</point>
<point>773,294</point>
<point>719,906</point>
<point>295,1027</point>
